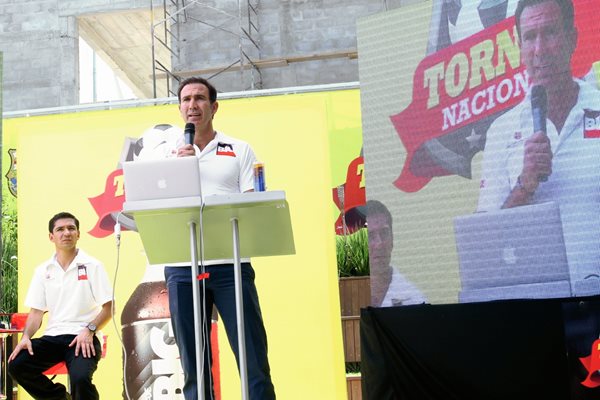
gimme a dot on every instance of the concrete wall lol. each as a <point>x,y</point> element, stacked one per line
<point>39,39</point>
<point>40,42</point>
<point>287,29</point>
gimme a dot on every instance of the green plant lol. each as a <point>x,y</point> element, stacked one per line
<point>353,368</point>
<point>353,254</point>
<point>8,262</point>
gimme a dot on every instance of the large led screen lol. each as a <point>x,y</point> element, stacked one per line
<point>482,150</point>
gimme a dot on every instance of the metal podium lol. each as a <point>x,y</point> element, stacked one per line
<point>235,226</point>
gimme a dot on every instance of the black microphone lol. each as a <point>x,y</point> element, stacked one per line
<point>539,108</point>
<point>539,111</point>
<point>189,132</point>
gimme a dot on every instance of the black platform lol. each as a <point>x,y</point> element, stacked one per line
<point>514,349</point>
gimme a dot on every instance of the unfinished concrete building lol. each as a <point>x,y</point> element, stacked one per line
<point>151,44</point>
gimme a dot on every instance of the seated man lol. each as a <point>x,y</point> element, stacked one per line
<point>74,289</point>
<point>388,286</point>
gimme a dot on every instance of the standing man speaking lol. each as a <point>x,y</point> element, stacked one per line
<point>226,166</point>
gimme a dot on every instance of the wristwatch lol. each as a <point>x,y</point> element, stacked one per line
<point>521,187</point>
<point>92,327</point>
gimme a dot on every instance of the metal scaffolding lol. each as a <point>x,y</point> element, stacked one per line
<point>177,15</point>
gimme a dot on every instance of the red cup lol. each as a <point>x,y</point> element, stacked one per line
<point>17,321</point>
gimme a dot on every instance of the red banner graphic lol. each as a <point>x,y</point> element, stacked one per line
<point>592,366</point>
<point>353,196</point>
<point>107,203</point>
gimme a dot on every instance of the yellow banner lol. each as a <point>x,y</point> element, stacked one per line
<point>66,161</point>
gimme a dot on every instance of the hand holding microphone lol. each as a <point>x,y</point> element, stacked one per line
<point>539,108</point>
<point>189,133</point>
<point>537,159</point>
<point>539,112</point>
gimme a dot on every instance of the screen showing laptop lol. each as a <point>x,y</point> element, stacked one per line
<point>513,249</point>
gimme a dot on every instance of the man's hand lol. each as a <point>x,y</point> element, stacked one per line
<point>24,344</point>
<point>186,151</point>
<point>537,161</point>
<point>84,342</point>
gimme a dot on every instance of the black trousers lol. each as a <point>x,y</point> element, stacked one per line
<point>220,290</point>
<point>27,370</point>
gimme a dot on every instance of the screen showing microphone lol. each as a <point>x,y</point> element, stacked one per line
<point>539,108</point>
<point>539,111</point>
<point>189,132</point>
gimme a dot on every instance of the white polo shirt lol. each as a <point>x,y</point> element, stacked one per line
<point>574,183</point>
<point>73,297</point>
<point>226,165</point>
<point>402,292</point>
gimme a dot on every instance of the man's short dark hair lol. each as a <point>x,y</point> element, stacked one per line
<point>62,215</point>
<point>212,92</point>
<point>566,9</point>
<point>375,207</point>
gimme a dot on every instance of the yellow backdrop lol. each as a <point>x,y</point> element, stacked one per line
<point>65,159</point>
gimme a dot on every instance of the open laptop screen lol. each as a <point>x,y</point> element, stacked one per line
<point>161,179</point>
<point>511,247</point>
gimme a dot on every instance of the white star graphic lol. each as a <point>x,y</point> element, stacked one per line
<point>473,139</point>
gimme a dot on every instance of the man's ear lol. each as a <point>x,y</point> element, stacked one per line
<point>215,107</point>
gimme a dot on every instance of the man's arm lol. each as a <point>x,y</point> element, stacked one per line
<point>537,164</point>
<point>104,315</point>
<point>34,321</point>
<point>84,342</point>
<point>519,196</point>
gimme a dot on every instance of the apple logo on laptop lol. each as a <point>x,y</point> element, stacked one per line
<point>509,256</point>
<point>162,184</point>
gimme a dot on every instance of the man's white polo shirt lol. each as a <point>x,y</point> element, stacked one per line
<point>73,297</point>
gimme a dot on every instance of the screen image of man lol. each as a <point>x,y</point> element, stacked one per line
<point>226,166</point>
<point>75,291</point>
<point>523,165</point>
<point>389,287</point>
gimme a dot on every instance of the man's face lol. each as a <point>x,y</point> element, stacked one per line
<point>65,234</point>
<point>381,242</point>
<point>195,105</point>
<point>546,47</point>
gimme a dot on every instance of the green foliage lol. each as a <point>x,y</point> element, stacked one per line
<point>353,368</point>
<point>8,262</point>
<point>353,254</point>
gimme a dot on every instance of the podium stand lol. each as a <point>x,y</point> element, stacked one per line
<point>252,224</point>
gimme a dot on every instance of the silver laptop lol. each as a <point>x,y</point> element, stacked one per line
<point>512,253</point>
<point>167,178</point>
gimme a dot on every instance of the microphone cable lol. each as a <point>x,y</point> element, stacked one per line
<point>117,231</point>
<point>205,318</point>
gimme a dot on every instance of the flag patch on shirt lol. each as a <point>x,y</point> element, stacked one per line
<point>82,272</point>
<point>591,124</point>
<point>225,149</point>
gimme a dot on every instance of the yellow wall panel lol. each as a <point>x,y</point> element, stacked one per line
<point>65,159</point>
